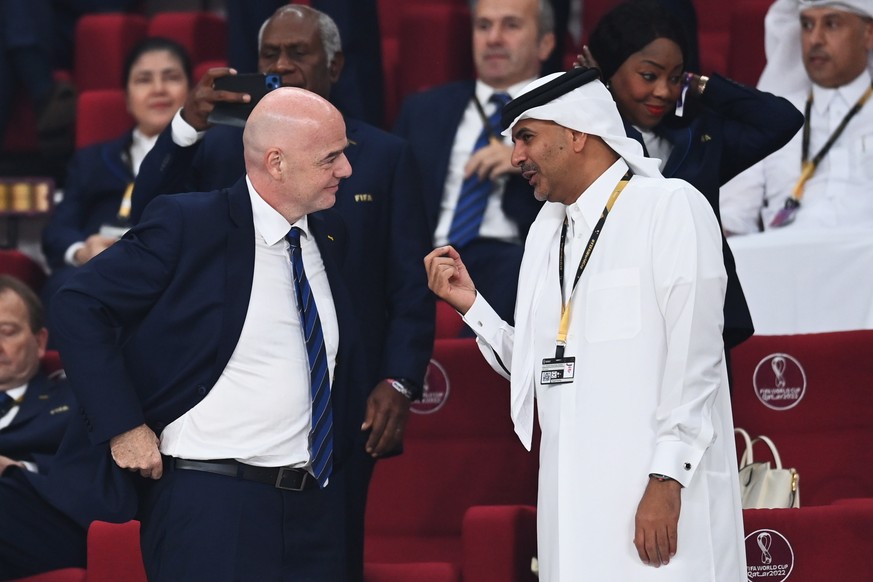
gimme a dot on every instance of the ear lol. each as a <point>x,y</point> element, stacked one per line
<point>868,34</point>
<point>41,341</point>
<point>274,160</point>
<point>335,68</point>
<point>545,46</point>
<point>578,140</point>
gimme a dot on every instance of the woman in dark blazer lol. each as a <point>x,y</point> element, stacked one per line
<point>91,216</point>
<point>705,130</point>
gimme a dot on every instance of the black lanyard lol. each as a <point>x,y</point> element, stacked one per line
<point>583,262</point>
<point>809,166</point>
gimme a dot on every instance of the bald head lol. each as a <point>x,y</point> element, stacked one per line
<point>294,142</point>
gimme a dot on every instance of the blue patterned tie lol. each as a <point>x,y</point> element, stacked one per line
<point>6,403</point>
<point>321,434</point>
<point>474,192</point>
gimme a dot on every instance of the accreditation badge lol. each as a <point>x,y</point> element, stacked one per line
<point>558,371</point>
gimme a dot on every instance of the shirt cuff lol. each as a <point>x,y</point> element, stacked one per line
<point>481,317</point>
<point>677,460</point>
<point>184,135</point>
<point>70,255</point>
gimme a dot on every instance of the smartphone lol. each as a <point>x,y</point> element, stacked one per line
<point>255,84</point>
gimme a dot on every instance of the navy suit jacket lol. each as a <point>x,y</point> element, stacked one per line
<point>146,328</point>
<point>96,179</point>
<point>381,207</point>
<point>38,427</point>
<point>429,121</point>
<point>735,127</point>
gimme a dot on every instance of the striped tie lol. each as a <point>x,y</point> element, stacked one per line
<point>321,434</point>
<point>470,209</point>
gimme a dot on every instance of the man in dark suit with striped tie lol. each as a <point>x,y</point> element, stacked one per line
<point>475,199</point>
<point>217,359</point>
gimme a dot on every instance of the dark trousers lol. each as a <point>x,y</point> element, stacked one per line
<point>34,536</point>
<point>202,526</point>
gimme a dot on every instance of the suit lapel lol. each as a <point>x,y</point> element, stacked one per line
<point>240,269</point>
<point>330,235</point>
<point>444,130</point>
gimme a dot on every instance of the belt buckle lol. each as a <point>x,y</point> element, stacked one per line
<point>280,477</point>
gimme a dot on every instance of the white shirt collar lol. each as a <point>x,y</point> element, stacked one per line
<point>18,392</point>
<point>589,206</point>
<point>268,222</point>
<point>485,91</point>
<point>850,93</point>
<point>140,146</point>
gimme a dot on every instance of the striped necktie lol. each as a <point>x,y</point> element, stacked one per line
<point>6,404</point>
<point>321,433</point>
<point>470,209</point>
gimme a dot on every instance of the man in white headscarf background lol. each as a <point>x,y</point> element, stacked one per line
<point>819,57</point>
<point>638,477</point>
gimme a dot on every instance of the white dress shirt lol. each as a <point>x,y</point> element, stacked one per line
<point>839,193</point>
<point>495,224</point>
<point>259,411</point>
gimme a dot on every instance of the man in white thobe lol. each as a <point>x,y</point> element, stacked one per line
<point>638,478</point>
<point>819,57</point>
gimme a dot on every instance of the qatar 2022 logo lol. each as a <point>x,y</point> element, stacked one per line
<point>769,556</point>
<point>779,381</point>
<point>436,390</point>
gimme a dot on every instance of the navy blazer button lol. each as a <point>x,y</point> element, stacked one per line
<point>201,390</point>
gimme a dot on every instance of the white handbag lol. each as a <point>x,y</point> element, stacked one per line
<point>763,486</point>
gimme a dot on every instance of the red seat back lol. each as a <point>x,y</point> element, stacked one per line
<point>202,33</point>
<point>460,451</point>
<point>101,115</point>
<point>103,42</point>
<point>114,553</point>
<point>811,394</point>
<point>810,544</point>
<point>16,263</point>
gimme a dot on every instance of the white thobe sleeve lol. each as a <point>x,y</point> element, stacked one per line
<point>741,201</point>
<point>690,283</point>
<point>494,336</point>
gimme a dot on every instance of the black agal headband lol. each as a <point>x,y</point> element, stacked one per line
<point>547,92</point>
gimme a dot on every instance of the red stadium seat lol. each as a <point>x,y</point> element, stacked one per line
<point>102,44</point>
<point>811,394</point>
<point>203,34</point>
<point>460,452</point>
<point>435,46</point>
<point>16,263</point>
<point>448,321</point>
<point>810,544</point>
<point>746,57</point>
<point>114,553</point>
<point>101,115</point>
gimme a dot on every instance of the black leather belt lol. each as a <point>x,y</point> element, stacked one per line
<point>278,477</point>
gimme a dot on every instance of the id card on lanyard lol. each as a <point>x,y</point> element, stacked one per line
<point>562,369</point>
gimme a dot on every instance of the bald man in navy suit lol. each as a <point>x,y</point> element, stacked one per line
<point>185,349</point>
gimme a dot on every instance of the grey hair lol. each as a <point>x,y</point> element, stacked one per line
<point>327,29</point>
<point>546,21</point>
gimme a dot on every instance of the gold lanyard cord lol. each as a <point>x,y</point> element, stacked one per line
<point>809,166</point>
<point>564,326</point>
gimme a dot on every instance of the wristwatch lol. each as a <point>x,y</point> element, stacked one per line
<point>406,387</point>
